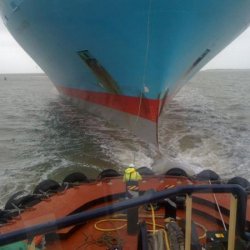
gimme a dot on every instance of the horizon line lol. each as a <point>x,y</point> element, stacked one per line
<point>42,73</point>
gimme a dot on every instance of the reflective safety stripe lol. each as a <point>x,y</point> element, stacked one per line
<point>133,188</point>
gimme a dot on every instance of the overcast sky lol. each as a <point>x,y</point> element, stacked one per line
<point>13,59</point>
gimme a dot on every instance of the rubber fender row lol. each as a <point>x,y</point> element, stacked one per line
<point>209,175</point>
<point>23,199</point>
<point>204,175</point>
<point>113,173</point>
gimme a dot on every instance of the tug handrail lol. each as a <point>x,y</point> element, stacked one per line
<point>148,197</point>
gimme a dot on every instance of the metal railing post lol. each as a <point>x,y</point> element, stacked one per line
<point>232,223</point>
<point>188,229</point>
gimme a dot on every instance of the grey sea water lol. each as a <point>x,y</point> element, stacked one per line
<point>206,126</point>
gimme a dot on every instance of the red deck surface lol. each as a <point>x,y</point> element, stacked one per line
<point>86,236</point>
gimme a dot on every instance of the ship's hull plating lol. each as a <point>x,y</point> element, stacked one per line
<point>124,59</point>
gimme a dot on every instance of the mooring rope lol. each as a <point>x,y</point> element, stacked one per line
<point>218,207</point>
<point>144,69</point>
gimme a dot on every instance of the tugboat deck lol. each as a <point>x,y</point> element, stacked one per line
<point>210,213</point>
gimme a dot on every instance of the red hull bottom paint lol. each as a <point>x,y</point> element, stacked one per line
<point>142,107</point>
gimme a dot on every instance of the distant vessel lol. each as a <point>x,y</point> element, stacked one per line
<point>124,60</point>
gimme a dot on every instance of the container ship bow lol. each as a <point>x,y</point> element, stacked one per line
<point>124,60</point>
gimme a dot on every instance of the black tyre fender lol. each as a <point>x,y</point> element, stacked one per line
<point>21,199</point>
<point>45,186</point>
<point>108,173</point>
<point>176,172</point>
<point>5,216</point>
<point>207,174</point>
<point>76,177</point>
<point>145,171</point>
<point>240,181</point>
